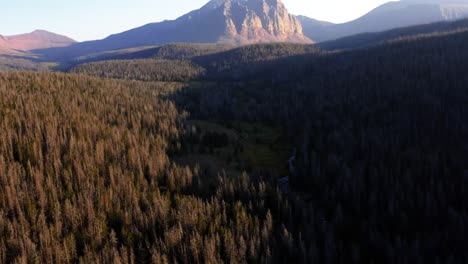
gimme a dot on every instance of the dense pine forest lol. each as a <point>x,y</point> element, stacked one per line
<point>22,64</point>
<point>86,177</point>
<point>165,158</point>
<point>143,70</point>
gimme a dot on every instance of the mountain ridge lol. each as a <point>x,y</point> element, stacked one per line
<point>394,14</point>
<point>236,22</point>
<point>22,44</point>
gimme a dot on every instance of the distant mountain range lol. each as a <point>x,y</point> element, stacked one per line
<point>388,16</point>
<point>219,21</point>
<point>237,22</point>
<point>21,44</point>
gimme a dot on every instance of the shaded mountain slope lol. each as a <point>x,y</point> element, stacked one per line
<point>388,16</point>
<point>370,39</point>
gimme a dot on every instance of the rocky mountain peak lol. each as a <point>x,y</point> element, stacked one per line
<point>233,22</point>
<point>253,21</point>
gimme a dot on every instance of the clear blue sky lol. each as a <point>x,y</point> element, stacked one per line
<point>96,19</point>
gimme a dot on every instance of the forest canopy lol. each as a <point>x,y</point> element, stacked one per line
<point>273,153</point>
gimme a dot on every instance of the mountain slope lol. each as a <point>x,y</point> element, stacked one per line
<point>39,39</point>
<point>315,29</point>
<point>388,16</point>
<point>365,40</point>
<point>219,21</point>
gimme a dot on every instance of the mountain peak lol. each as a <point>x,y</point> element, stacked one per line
<point>253,21</point>
<point>38,39</point>
<point>213,4</point>
<point>230,22</point>
<point>42,32</point>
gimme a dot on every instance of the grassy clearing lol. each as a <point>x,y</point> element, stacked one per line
<point>251,147</point>
<point>265,147</point>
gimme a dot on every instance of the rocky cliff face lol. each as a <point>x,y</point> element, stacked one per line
<point>254,21</point>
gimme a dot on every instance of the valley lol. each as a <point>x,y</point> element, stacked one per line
<point>251,145</point>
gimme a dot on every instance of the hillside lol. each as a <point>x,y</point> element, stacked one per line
<point>94,160</point>
<point>176,51</point>
<point>350,151</point>
<point>237,63</point>
<point>142,70</point>
<point>371,39</point>
<point>189,62</point>
<point>9,63</point>
<point>388,16</point>
<point>381,145</point>
<point>316,29</point>
<point>25,43</point>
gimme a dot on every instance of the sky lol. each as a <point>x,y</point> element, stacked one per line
<point>96,19</point>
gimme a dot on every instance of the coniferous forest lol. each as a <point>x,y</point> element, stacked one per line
<point>184,159</point>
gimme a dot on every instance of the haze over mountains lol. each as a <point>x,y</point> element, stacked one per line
<point>238,22</point>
